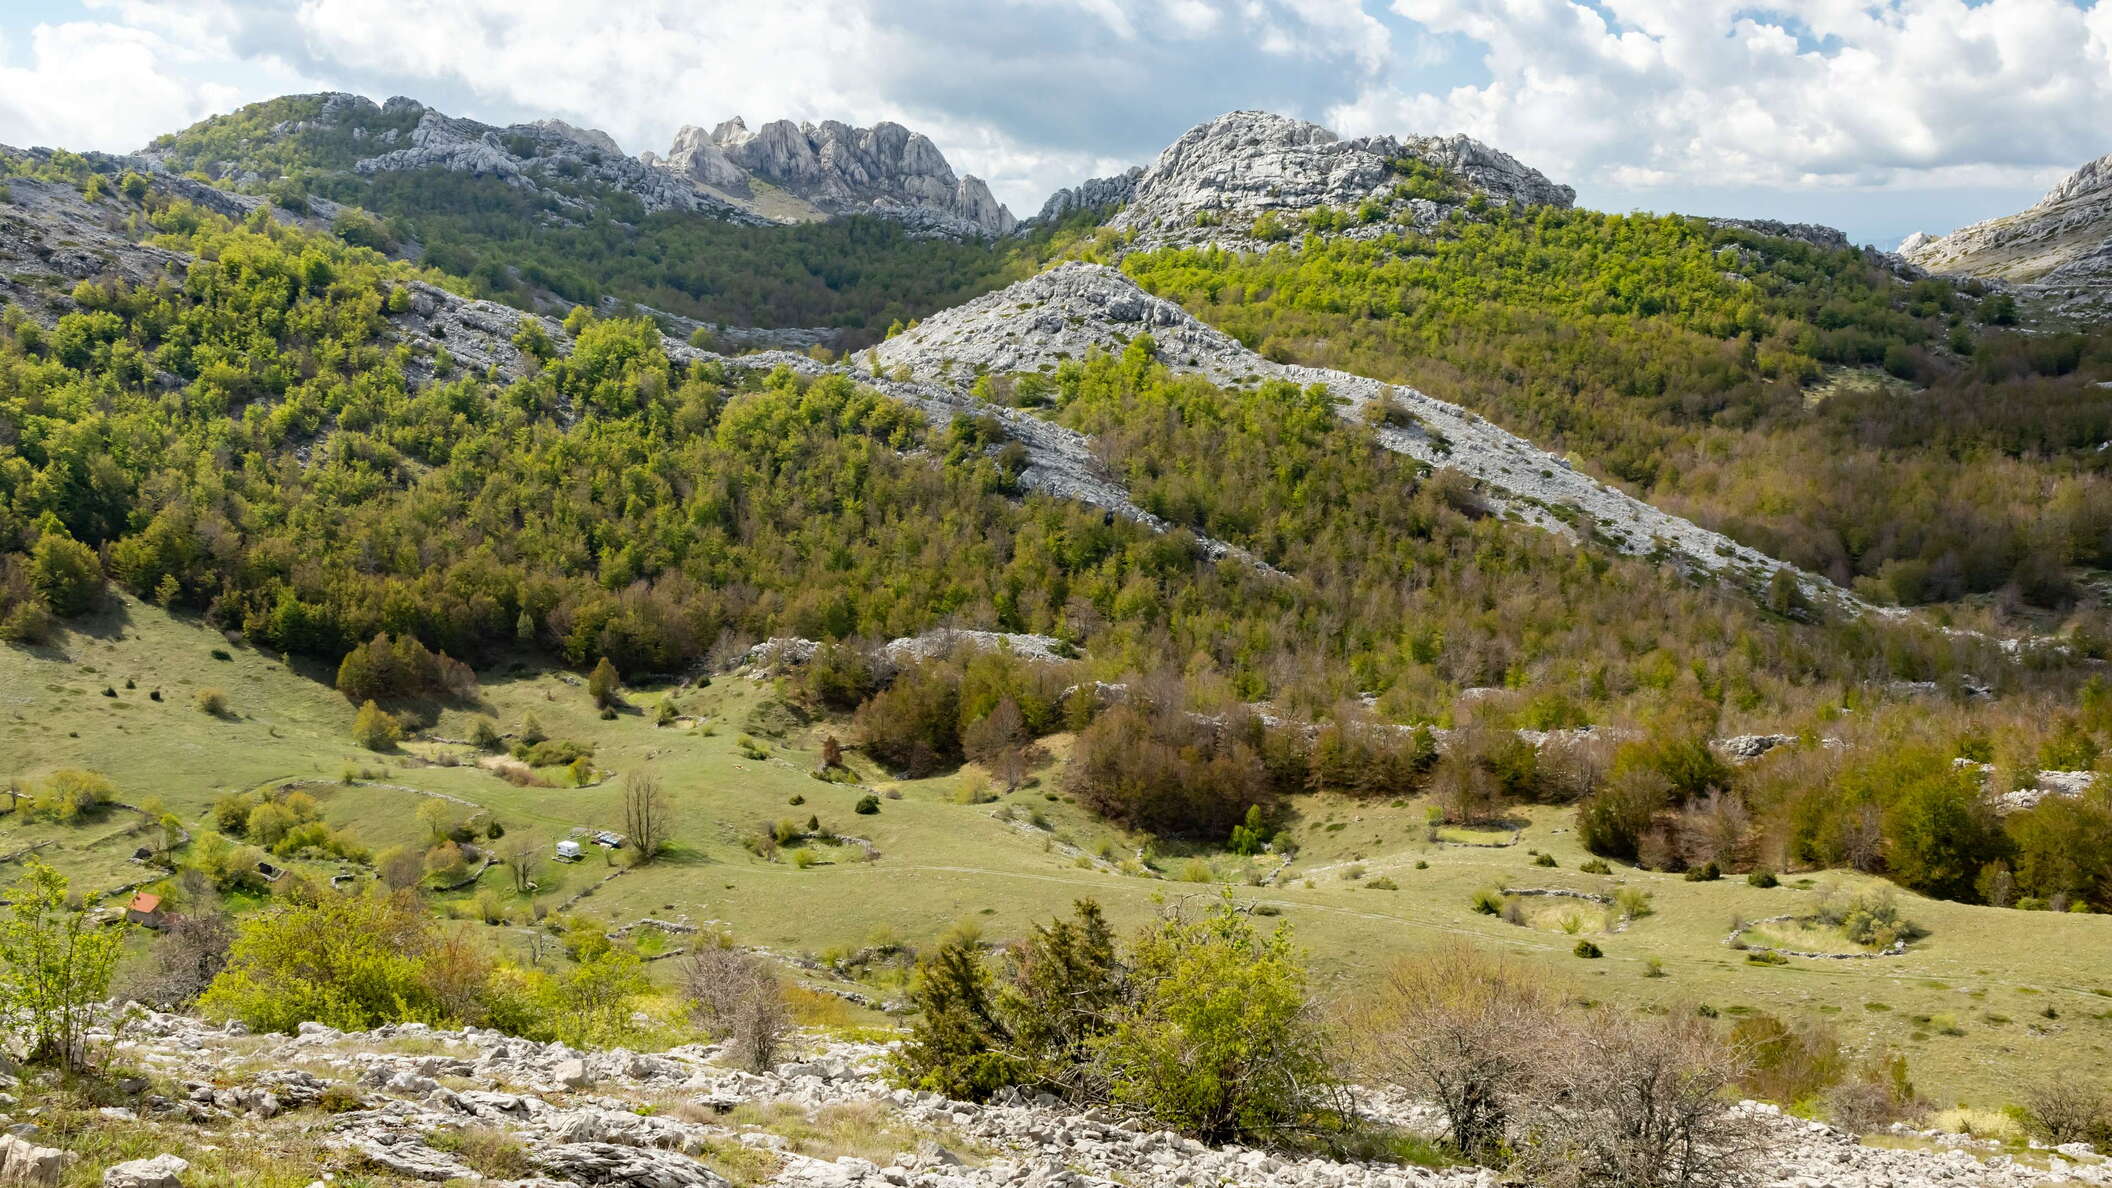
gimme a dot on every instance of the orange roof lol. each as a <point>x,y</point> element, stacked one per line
<point>144,902</point>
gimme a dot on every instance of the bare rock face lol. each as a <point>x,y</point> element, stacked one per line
<point>1091,195</point>
<point>885,169</point>
<point>2059,250</point>
<point>1220,176</point>
<point>783,173</point>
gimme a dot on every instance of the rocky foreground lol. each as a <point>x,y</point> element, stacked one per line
<point>408,1103</point>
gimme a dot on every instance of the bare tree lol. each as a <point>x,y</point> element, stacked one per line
<point>1631,1101</point>
<point>522,856</point>
<point>1456,1029</point>
<point>399,867</point>
<point>647,814</point>
<point>738,996</point>
<point>184,959</point>
<point>2067,1110</point>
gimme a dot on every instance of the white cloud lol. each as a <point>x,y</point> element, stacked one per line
<point>101,85</point>
<point>1787,94</point>
<point>1631,95</point>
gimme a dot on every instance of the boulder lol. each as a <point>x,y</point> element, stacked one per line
<point>162,1171</point>
<point>25,1163</point>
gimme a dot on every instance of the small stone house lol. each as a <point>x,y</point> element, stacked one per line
<point>145,909</point>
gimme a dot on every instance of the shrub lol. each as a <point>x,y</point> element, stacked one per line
<point>1638,1101</point>
<point>1488,901</point>
<point>1596,866</point>
<point>1765,957</point>
<point>1545,860</point>
<point>1707,872</point>
<point>1218,1038</point>
<point>375,728</point>
<point>1787,1063</point>
<point>2067,1110</point>
<point>867,805</point>
<point>213,701</point>
<point>1763,878</point>
<point>738,997</point>
<point>1204,1026</point>
<point>1587,950</point>
<point>1457,1029</point>
<point>1382,884</point>
<point>1633,903</point>
<point>348,961</point>
<point>55,965</point>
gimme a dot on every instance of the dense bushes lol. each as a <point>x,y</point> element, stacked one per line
<point>355,961</point>
<point>383,669</point>
<point>1202,1025</point>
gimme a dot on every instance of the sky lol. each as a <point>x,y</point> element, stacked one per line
<point>1881,117</point>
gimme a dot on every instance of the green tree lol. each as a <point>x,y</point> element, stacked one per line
<point>1939,829</point>
<point>958,1045</point>
<point>1219,1039</point>
<point>375,728</point>
<point>603,685</point>
<point>66,572</point>
<point>55,965</point>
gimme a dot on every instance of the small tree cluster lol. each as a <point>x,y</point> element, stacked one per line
<point>1202,1025</point>
<point>386,669</point>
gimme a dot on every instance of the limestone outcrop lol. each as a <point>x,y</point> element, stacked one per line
<point>2058,251</point>
<point>402,1095</point>
<point>781,173</point>
<point>1220,176</point>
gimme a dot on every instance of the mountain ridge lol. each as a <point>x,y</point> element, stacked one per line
<point>2058,250</point>
<point>823,170</point>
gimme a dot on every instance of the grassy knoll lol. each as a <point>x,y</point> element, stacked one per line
<point>1988,999</point>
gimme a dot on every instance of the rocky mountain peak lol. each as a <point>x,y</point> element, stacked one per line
<point>2059,249</point>
<point>2092,182</point>
<point>1222,174</point>
<point>841,169</point>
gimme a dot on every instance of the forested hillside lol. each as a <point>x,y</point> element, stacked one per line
<point>293,484</point>
<point>574,239</point>
<point>1808,401</point>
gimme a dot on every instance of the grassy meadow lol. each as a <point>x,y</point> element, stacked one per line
<point>1986,1000</point>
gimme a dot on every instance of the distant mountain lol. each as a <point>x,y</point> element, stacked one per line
<point>783,173</point>
<point>1248,175</point>
<point>2061,247</point>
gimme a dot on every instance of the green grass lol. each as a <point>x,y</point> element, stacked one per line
<point>941,861</point>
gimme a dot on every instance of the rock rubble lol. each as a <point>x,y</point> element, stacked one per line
<point>658,1120</point>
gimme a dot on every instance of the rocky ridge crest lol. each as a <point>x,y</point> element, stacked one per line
<point>1212,183</point>
<point>838,169</point>
<point>782,173</point>
<point>2058,250</point>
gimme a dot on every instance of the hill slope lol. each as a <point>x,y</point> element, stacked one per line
<point>2060,248</point>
